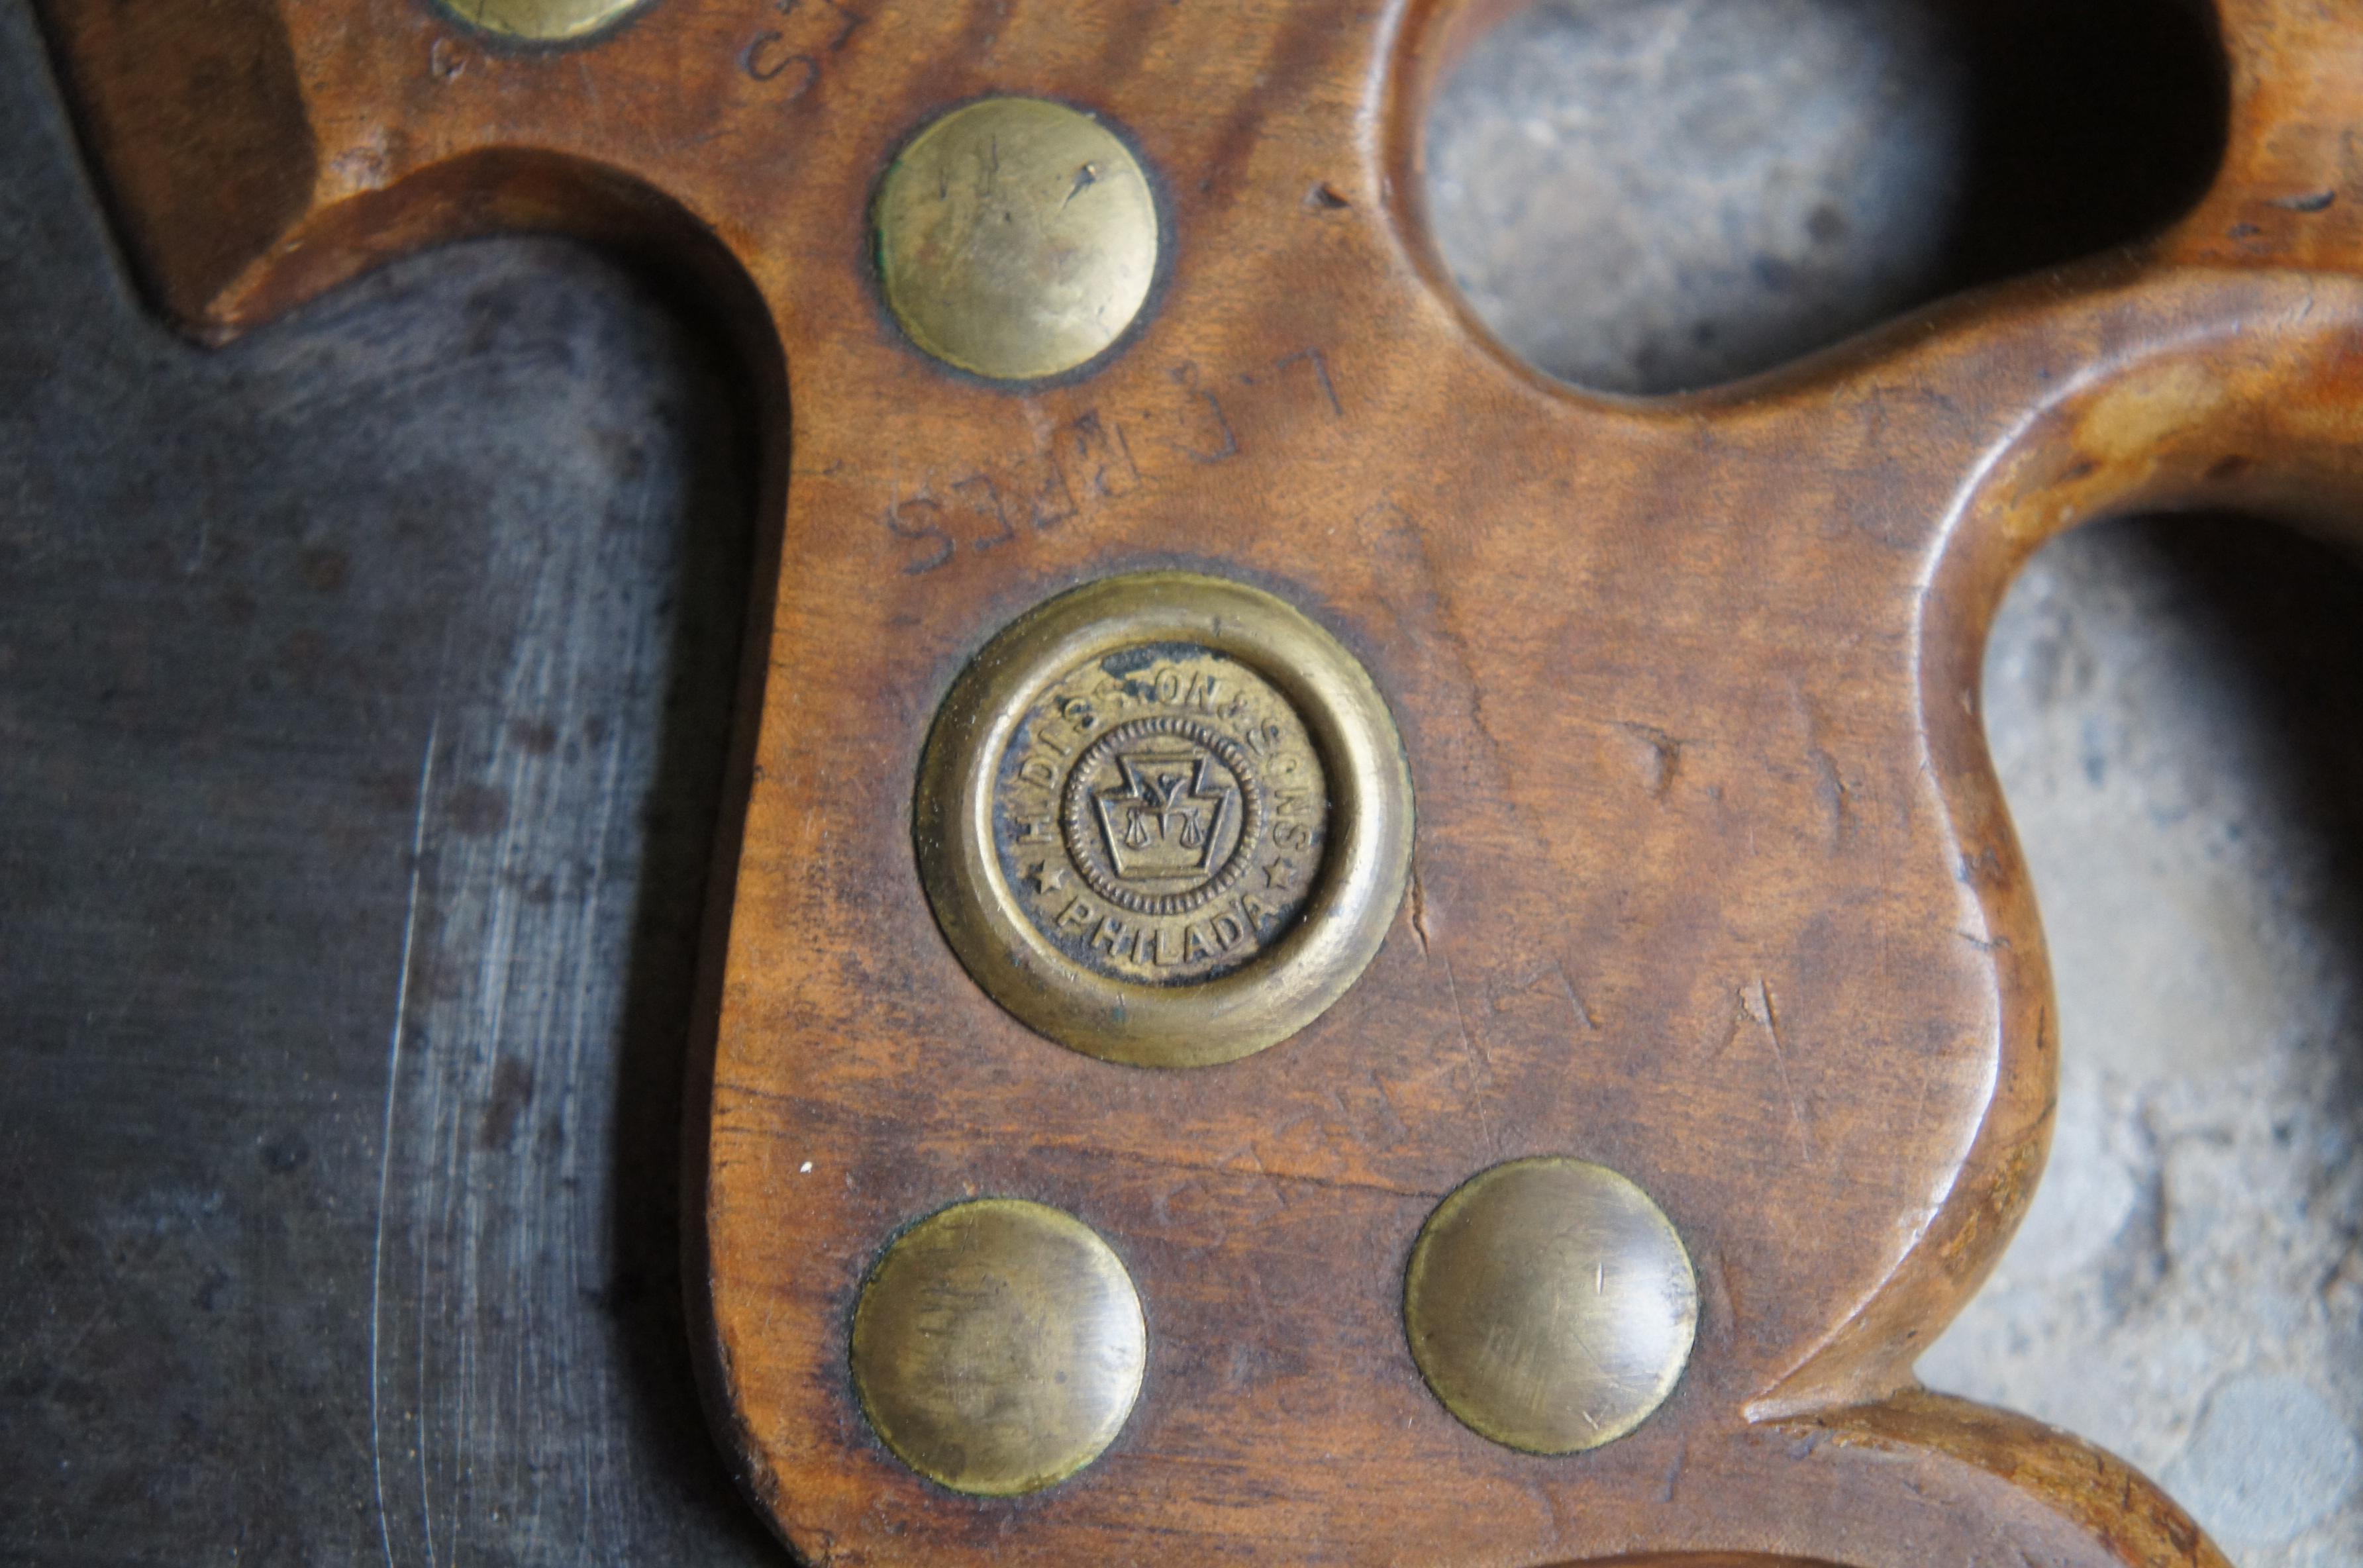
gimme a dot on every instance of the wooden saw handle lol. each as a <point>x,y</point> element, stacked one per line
<point>1713,884</point>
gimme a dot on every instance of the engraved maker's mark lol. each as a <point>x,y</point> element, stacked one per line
<point>788,58</point>
<point>1160,814</point>
<point>1100,457</point>
<point>1178,825</point>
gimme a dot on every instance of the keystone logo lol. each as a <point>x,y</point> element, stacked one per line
<point>1166,817</point>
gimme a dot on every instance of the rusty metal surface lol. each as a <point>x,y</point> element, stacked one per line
<point>363,690</point>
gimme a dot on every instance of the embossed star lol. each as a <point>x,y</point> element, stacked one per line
<point>1046,876</point>
<point>1280,871</point>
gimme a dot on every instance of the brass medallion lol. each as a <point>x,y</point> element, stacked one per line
<point>541,21</point>
<point>1017,239</point>
<point>1165,820</point>
<point>1161,811</point>
<point>1551,1305</point>
<point>998,1346</point>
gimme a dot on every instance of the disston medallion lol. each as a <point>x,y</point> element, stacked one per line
<point>1164,818</point>
<point>1161,811</point>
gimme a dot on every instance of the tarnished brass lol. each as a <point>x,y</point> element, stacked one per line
<point>1551,1305</point>
<point>1160,814</point>
<point>1164,818</point>
<point>998,1346</point>
<point>541,21</point>
<point>1017,239</point>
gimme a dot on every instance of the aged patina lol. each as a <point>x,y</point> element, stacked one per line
<point>1164,818</point>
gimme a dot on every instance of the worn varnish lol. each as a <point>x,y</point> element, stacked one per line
<point>1713,884</point>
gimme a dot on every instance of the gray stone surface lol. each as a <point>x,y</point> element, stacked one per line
<point>1651,197</point>
<point>2177,713</point>
<point>1641,196</point>
<point>2269,1462</point>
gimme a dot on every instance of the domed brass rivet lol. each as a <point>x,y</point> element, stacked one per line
<point>998,1346</point>
<point>541,21</point>
<point>1165,820</point>
<point>1017,239</point>
<point>1551,1305</point>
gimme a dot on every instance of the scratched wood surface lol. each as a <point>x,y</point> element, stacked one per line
<point>1713,882</point>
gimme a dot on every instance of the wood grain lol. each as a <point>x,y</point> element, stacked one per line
<point>1713,884</point>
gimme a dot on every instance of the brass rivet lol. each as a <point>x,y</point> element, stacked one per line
<point>1165,820</point>
<point>998,1346</point>
<point>1551,1305</point>
<point>541,21</point>
<point>1017,239</point>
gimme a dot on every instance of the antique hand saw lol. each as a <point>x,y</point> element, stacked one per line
<point>1339,954</point>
